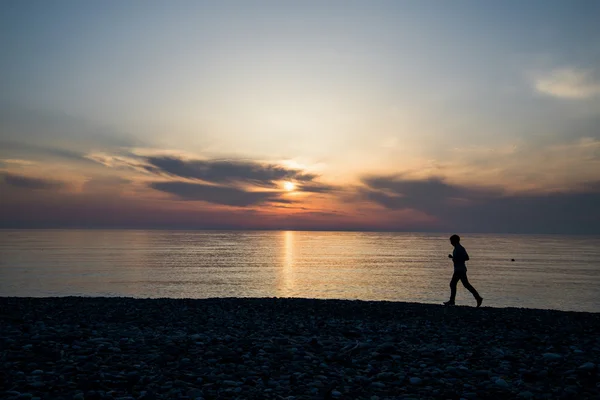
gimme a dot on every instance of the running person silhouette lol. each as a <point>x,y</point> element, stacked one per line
<point>459,256</point>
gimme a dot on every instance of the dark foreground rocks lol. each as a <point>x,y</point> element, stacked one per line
<point>115,348</point>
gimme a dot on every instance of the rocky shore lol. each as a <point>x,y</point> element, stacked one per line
<point>120,348</point>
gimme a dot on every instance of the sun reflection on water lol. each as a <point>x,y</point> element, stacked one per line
<point>287,284</point>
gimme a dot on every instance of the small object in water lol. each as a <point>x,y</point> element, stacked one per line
<point>512,259</point>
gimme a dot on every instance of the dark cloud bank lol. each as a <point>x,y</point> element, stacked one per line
<point>227,171</point>
<point>221,180</point>
<point>456,208</point>
<point>25,182</point>
<point>471,209</point>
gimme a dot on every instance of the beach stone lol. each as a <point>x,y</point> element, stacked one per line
<point>194,393</point>
<point>525,395</point>
<point>385,376</point>
<point>588,366</point>
<point>502,383</point>
<point>571,389</point>
<point>386,347</point>
<point>552,357</point>
<point>415,381</point>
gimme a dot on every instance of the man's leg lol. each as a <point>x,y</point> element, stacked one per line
<point>453,282</point>
<point>470,288</point>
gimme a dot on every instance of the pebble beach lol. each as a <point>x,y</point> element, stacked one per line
<point>271,348</point>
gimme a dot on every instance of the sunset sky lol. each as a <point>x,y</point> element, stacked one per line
<point>453,116</point>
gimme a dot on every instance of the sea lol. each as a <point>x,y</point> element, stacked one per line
<point>530,271</point>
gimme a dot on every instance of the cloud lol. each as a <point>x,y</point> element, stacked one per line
<point>222,182</point>
<point>218,172</point>
<point>13,148</point>
<point>105,184</point>
<point>25,182</point>
<point>316,188</point>
<point>569,83</point>
<point>476,209</point>
<point>226,171</point>
<point>18,162</point>
<point>517,167</point>
<point>216,194</point>
<point>282,200</point>
<point>396,192</point>
<point>122,162</point>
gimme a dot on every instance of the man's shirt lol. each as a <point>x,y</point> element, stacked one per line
<point>459,257</point>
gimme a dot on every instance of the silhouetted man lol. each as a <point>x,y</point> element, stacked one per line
<point>459,256</point>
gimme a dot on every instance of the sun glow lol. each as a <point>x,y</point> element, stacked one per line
<point>289,186</point>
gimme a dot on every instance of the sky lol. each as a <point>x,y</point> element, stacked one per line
<point>462,116</point>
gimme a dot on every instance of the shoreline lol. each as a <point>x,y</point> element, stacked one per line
<point>291,348</point>
<point>398,303</point>
<point>466,303</point>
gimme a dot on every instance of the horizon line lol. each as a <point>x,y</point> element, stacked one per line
<point>233,229</point>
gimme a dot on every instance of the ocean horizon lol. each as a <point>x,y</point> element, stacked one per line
<point>548,272</point>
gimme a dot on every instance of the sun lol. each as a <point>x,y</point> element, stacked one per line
<point>289,186</point>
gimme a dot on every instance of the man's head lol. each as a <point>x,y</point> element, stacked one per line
<point>454,240</point>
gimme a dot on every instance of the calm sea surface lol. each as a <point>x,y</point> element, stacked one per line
<point>552,272</point>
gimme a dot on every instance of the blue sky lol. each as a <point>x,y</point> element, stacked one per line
<point>501,97</point>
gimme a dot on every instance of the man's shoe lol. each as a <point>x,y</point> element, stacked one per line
<point>479,301</point>
<point>448,303</point>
